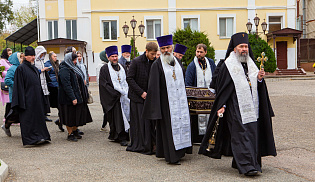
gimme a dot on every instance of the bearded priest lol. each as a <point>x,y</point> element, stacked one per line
<point>245,131</point>
<point>113,90</point>
<point>166,102</point>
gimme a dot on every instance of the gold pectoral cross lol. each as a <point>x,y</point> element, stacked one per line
<point>174,76</point>
<point>204,72</point>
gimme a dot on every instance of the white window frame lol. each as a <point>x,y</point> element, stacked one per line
<point>105,19</point>
<point>53,29</point>
<point>153,18</point>
<point>190,17</point>
<point>282,14</point>
<point>226,16</point>
<point>71,28</point>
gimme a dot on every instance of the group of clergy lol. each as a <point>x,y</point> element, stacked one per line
<point>147,98</point>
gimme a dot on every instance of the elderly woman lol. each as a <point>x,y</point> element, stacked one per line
<point>73,96</point>
<point>40,52</point>
<point>4,94</point>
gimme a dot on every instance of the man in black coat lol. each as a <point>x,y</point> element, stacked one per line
<point>245,131</point>
<point>28,100</point>
<point>142,132</point>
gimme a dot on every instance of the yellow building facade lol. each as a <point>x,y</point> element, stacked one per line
<point>99,22</point>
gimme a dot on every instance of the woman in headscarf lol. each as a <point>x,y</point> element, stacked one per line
<point>53,63</point>
<point>82,66</point>
<point>4,95</point>
<point>14,60</point>
<point>40,52</point>
<point>73,96</point>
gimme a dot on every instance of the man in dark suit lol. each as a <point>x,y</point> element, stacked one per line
<point>142,132</point>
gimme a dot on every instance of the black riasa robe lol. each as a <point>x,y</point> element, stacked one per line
<point>242,141</point>
<point>28,99</point>
<point>110,101</point>
<point>156,107</point>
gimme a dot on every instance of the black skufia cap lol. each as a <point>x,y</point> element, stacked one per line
<point>236,39</point>
<point>29,51</point>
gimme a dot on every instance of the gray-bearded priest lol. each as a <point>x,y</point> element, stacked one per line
<point>245,131</point>
<point>166,103</point>
<point>113,89</point>
<point>199,74</point>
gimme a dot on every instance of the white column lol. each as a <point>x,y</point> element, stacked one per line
<point>84,29</point>
<point>171,16</point>
<point>251,12</point>
<point>42,21</point>
<point>61,21</point>
<point>291,10</point>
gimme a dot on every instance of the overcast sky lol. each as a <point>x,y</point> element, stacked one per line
<point>18,3</point>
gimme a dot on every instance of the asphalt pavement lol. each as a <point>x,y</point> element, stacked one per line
<point>95,158</point>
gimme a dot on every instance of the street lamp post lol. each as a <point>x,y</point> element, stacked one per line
<point>256,21</point>
<point>125,28</point>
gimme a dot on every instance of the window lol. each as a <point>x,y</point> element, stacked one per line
<point>153,29</point>
<point>110,30</point>
<point>52,29</point>
<point>71,29</point>
<point>192,23</point>
<point>226,25</point>
<point>275,23</point>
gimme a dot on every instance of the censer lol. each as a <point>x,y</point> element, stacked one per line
<point>214,132</point>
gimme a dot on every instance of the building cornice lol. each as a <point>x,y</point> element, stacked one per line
<point>172,9</point>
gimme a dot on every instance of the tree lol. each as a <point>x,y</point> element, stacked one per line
<point>191,39</point>
<point>137,53</point>
<point>6,13</point>
<point>258,46</point>
<point>23,16</point>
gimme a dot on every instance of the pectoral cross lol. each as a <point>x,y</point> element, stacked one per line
<point>118,79</point>
<point>262,59</point>
<point>204,72</point>
<point>174,76</point>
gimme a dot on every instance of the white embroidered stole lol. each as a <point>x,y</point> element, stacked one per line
<point>178,104</point>
<point>120,84</point>
<point>203,80</point>
<point>247,98</point>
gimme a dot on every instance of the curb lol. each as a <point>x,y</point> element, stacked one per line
<point>4,171</point>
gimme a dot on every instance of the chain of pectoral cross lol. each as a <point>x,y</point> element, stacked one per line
<point>249,82</point>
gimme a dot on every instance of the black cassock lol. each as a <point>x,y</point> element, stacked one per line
<point>249,142</point>
<point>110,100</point>
<point>156,107</point>
<point>28,99</point>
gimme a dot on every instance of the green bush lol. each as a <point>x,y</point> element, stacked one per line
<point>137,53</point>
<point>258,46</point>
<point>191,39</point>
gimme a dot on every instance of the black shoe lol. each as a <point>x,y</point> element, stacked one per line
<point>57,122</point>
<point>80,132</point>
<point>47,119</point>
<point>175,163</point>
<point>76,134</point>
<point>124,143</point>
<point>251,173</point>
<point>72,138</point>
<point>40,142</point>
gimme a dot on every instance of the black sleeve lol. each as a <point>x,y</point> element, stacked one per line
<point>152,103</point>
<point>18,95</point>
<point>108,95</point>
<point>65,80</point>
<point>131,79</point>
